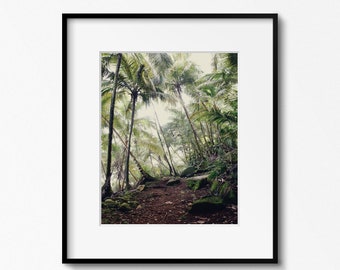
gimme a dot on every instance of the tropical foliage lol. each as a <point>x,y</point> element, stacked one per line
<point>200,112</point>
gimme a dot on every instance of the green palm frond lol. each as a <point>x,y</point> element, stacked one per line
<point>161,61</point>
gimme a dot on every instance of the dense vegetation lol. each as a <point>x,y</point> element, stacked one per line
<point>200,135</point>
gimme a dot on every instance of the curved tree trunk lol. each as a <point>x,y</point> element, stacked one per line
<point>166,144</point>
<point>106,189</point>
<point>134,96</point>
<point>145,175</point>
<point>178,88</point>
<point>165,157</point>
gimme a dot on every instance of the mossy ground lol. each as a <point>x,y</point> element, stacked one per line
<point>162,204</point>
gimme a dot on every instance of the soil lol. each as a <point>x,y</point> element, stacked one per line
<point>162,204</point>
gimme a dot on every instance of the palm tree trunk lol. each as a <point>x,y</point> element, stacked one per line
<point>142,172</point>
<point>106,190</point>
<point>160,162</point>
<point>134,96</point>
<point>191,124</point>
<point>165,157</point>
<point>165,141</point>
<point>145,175</point>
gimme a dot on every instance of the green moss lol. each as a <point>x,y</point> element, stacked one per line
<point>212,175</point>
<point>214,187</point>
<point>227,192</point>
<point>219,167</point>
<point>122,203</point>
<point>207,204</point>
<point>109,203</point>
<point>211,199</point>
<point>196,184</point>
<point>224,189</point>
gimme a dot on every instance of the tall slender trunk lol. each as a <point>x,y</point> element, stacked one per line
<point>106,190</point>
<point>134,96</point>
<point>165,157</point>
<point>160,162</point>
<point>178,88</point>
<point>144,174</point>
<point>165,141</point>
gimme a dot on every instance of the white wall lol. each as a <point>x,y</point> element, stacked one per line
<point>30,144</point>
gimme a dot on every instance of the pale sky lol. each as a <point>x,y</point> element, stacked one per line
<point>203,60</point>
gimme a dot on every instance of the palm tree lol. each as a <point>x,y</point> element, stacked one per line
<point>178,134</point>
<point>140,77</point>
<point>216,97</point>
<point>170,159</point>
<point>184,75</point>
<point>137,80</point>
<point>160,63</point>
<point>106,189</point>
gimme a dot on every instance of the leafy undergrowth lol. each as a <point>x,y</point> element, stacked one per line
<point>162,204</point>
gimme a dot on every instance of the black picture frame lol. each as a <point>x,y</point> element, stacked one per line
<point>65,258</point>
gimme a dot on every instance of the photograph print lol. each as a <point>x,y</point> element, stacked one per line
<point>169,138</point>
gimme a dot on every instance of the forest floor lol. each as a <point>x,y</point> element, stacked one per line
<point>159,203</point>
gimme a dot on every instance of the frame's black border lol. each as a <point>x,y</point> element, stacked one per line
<point>65,17</point>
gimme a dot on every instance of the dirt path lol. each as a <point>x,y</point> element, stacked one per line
<point>162,204</point>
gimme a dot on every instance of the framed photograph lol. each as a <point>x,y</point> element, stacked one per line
<point>170,138</point>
